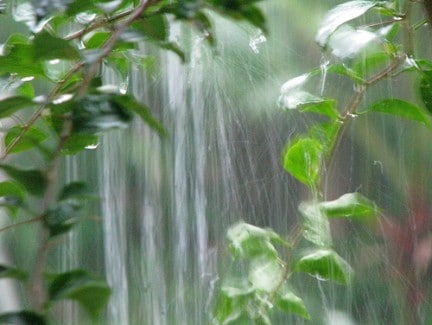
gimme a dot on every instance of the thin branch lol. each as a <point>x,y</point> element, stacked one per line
<point>22,223</point>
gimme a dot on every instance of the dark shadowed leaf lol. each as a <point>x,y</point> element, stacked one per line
<point>153,27</point>
<point>128,103</point>
<point>12,272</point>
<point>33,180</point>
<point>62,217</point>
<point>76,190</point>
<point>22,318</point>
<point>426,90</point>
<point>401,108</point>
<point>91,292</point>
<point>352,205</point>
<point>79,142</point>
<point>325,264</point>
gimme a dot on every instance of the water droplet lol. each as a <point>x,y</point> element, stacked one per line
<point>319,277</point>
<point>29,78</point>
<point>55,61</point>
<point>92,146</point>
<point>255,41</point>
<point>62,98</point>
<point>352,115</point>
<point>85,18</point>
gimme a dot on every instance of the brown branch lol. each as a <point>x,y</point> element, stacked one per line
<point>22,223</point>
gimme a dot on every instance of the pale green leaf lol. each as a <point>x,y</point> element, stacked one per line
<point>265,274</point>
<point>290,303</point>
<point>352,205</point>
<point>315,223</point>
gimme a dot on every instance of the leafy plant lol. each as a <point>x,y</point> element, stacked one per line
<point>54,103</point>
<point>365,55</point>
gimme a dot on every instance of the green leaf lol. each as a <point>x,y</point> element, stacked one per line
<point>315,223</point>
<point>323,106</point>
<point>246,240</point>
<point>254,16</point>
<point>265,274</point>
<point>10,105</point>
<point>352,205</point>
<point>153,27</point>
<point>23,318</point>
<point>325,264</point>
<point>426,90</point>
<point>340,15</point>
<point>33,180</point>
<point>79,142</point>
<point>302,159</point>
<point>13,196</point>
<point>32,137</point>
<point>75,190</point>
<point>19,59</point>
<point>62,217</point>
<point>97,40</point>
<point>128,103</point>
<point>89,291</point>
<point>290,303</point>
<point>12,272</point>
<point>48,47</point>
<point>401,108</point>
<point>98,113</point>
<point>342,69</point>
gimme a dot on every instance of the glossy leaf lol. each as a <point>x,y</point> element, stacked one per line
<point>340,15</point>
<point>353,205</point>
<point>315,223</point>
<point>128,103</point>
<point>325,264</point>
<point>97,40</point>
<point>12,272</point>
<point>23,318</point>
<point>401,108</point>
<point>246,240</point>
<point>344,70</point>
<point>10,105</point>
<point>324,107</point>
<point>89,291</point>
<point>33,180</point>
<point>347,42</point>
<point>302,159</point>
<point>290,303</point>
<point>79,142</point>
<point>32,137</point>
<point>48,47</point>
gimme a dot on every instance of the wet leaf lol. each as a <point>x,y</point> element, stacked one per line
<point>62,217</point>
<point>325,264</point>
<point>19,59</point>
<point>290,303</point>
<point>246,240</point>
<point>353,205</point>
<point>315,223</point>
<point>97,40</point>
<point>302,159</point>
<point>23,318</point>
<point>401,108</point>
<point>340,15</point>
<point>76,190</point>
<point>128,103</point>
<point>32,138</point>
<point>10,105</point>
<point>33,180</point>
<point>13,195</point>
<point>153,27</point>
<point>91,292</point>
<point>426,90</point>
<point>325,107</point>
<point>343,70</point>
<point>79,142</point>
<point>12,272</point>
<point>347,42</point>
<point>48,47</point>
<point>265,274</point>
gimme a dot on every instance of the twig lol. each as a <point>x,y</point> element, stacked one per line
<point>22,223</point>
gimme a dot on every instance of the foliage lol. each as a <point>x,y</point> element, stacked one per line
<point>54,103</point>
<point>364,54</point>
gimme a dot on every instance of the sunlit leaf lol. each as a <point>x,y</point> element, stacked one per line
<point>91,292</point>
<point>31,138</point>
<point>23,318</point>
<point>12,272</point>
<point>265,274</point>
<point>352,205</point>
<point>401,108</point>
<point>325,264</point>
<point>33,180</point>
<point>10,105</point>
<point>315,223</point>
<point>246,240</point>
<point>290,303</point>
<point>339,16</point>
<point>302,159</point>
